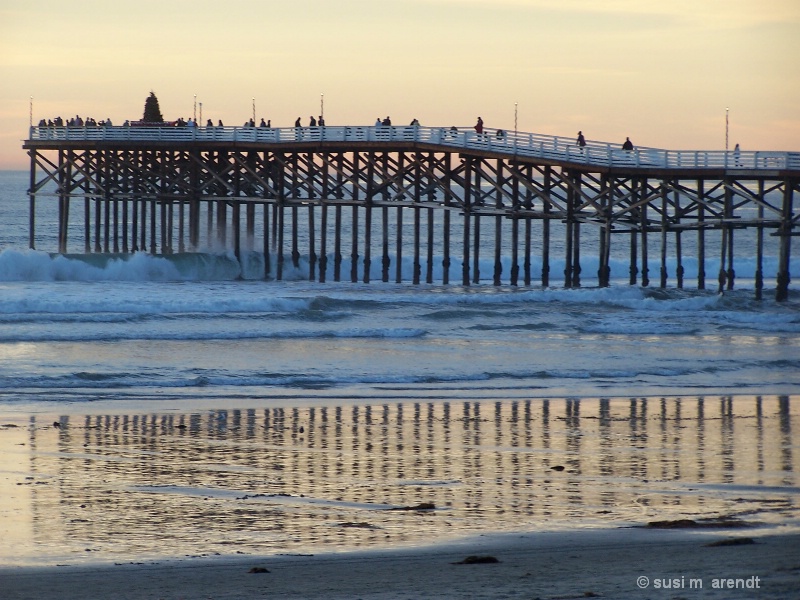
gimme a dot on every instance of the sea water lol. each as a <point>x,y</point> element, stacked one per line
<point>126,340</point>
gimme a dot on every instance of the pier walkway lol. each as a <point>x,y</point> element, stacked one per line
<point>132,180</point>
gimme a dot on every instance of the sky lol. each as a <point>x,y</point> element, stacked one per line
<point>665,73</point>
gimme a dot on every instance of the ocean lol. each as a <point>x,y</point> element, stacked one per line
<point>192,388</point>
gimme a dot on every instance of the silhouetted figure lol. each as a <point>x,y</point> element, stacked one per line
<point>479,126</point>
<point>581,140</point>
<point>312,122</point>
<point>628,145</point>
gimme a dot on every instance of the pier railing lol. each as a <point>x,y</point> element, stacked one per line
<point>528,145</point>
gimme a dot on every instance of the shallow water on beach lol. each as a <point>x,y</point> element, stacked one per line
<point>335,476</point>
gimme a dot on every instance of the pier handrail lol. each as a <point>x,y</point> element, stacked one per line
<point>527,145</point>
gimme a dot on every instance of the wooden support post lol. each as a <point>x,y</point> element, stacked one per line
<point>337,243</point>
<point>137,178</point>
<point>266,241</point>
<point>465,278</point>
<point>576,238</point>
<point>295,237</point>
<point>605,228</point>
<point>312,242</point>
<point>576,250</point>
<point>32,203</point>
<point>87,212</point>
<point>417,267</point>
<point>701,237</point>
<point>722,275</point>
<point>785,232</point>
<point>644,227</point>
<point>386,261</point>
<point>516,205</point>
<point>153,221</point>
<point>547,206</point>
<point>498,228</point>
<point>726,232</point>
<point>367,240</point>
<point>323,239</point>
<point>278,223</point>
<point>759,275</point>
<point>664,227</point>
<point>354,246</point>
<point>476,219</point>
<point>429,264</point>
<point>568,242</point>
<point>354,226</point>
<point>398,250</point>
<point>64,200</point>
<point>678,246</point>
<point>446,220</point>
<point>730,272</point>
<point>368,201</point>
<point>236,225</point>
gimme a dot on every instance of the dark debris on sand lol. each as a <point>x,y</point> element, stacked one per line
<point>477,560</point>
<point>258,570</point>
<point>743,541</point>
<point>717,522</point>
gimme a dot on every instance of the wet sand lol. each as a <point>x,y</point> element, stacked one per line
<point>606,564</point>
<point>379,500</point>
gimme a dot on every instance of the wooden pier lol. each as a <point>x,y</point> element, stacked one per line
<point>168,189</point>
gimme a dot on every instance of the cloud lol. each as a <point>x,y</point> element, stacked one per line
<point>716,14</point>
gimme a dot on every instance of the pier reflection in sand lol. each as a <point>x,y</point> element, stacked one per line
<point>304,479</point>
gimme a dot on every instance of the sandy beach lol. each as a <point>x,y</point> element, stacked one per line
<point>211,504</point>
<point>604,564</point>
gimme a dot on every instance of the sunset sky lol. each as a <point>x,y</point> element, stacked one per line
<point>662,72</point>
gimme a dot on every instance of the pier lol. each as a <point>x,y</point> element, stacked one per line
<point>364,192</point>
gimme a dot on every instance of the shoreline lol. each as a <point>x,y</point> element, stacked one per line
<point>579,564</point>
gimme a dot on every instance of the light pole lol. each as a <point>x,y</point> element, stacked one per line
<point>30,113</point>
<point>726,129</point>
<point>254,111</point>
<point>322,106</point>
<point>515,118</point>
<point>195,109</point>
<point>201,112</point>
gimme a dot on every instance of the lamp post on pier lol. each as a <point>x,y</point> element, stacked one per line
<point>194,116</point>
<point>322,106</point>
<point>254,111</point>
<point>515,118</point>
<point>726,129</point>
<point>201,112</point>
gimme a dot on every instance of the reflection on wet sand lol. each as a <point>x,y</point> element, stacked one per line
<point>300,479</point>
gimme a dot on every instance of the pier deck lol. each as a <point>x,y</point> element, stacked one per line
<point>136,177</point>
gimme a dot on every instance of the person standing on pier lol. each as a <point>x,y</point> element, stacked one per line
<point>628,145</point>
<point>479,127</point>
<point>581,140</point>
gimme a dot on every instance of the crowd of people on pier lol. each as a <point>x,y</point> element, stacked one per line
<point>78,121</point>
